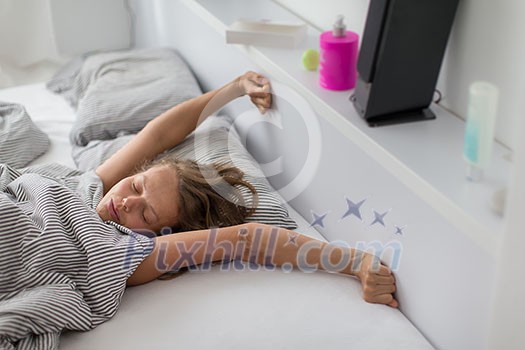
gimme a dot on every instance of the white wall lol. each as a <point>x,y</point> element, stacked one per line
<point>508,303</point>
<point>27,49</point>
<point>484,45</point>
<point>39,36</point>
<point>322,14</point>
<point>80,26</point>
<point>25,32</point>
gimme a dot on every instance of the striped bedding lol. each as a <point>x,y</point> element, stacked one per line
<point>61,267</point>
<point>118,92</point>
<point>16,129</point>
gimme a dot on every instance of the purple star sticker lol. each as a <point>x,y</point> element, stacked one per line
<point>292,237</point>
<point>318,219</point>
<point>353,209</point>
<point>399,230</point>
<point>379,218</point>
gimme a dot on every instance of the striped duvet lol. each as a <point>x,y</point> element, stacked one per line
<point>16,128</point>
<point>61,267</point>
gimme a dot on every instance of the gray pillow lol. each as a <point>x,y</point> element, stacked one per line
<point>214,140</point>
<point>120,91</point>
<point>21,141</point>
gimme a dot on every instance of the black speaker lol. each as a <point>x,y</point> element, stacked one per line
<point>402,49</point>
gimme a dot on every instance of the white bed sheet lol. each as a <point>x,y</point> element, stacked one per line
<point>227,309</point>
<point>251,310</point>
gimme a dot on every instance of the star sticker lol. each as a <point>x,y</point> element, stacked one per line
<point>353,208</point>
<point>399,230</point>
<point>292,239</point>
<point>379,218</point>
<point>318,219</point>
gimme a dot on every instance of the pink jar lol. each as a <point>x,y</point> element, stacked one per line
<point>338,60</point>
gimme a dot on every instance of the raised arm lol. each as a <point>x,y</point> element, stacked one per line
<point>266,245</point>
<point>171,127</point>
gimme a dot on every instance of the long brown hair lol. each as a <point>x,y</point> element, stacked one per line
<point>210,195</point>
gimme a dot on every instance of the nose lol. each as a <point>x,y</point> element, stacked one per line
<point>129,203</point>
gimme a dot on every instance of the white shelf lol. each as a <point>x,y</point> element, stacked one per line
<point>424,156</point>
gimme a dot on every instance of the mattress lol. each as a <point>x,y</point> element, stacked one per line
<point>251,310</point>
<point>228,309</point>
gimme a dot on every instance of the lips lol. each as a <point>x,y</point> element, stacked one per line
<point>113,211</point>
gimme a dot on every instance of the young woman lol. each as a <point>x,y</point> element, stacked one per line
<point>180,195</point>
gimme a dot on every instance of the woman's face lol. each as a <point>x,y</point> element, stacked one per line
<point>147,200</point>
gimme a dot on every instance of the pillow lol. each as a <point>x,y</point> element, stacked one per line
<point>214,140</point>
<point>121,91</point>
<point>21,141</point>
<point>63,82</point>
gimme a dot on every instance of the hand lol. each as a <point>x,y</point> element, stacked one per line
<point>258,88</point>
<point>377,281</point>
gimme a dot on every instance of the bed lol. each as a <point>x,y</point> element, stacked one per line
<point>261,309</point>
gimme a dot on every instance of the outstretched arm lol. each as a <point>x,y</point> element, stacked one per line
<point>171,127</point>
<point>266,245</point>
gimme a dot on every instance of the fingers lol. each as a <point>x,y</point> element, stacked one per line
<point>384,289</point>
<point>256,78</point>
<point>378,284</point>
<point>258,88</point>
<point>384,298</point>
<point>384,271</point>
<point>384,280</point>
<point>374,278</point>
<point>393,303</point>
<point>378,289</point>
<point>261,82</point>
<point>262,92</point>
<point>261,100</point>
<point>255,83</point>
<point>262,103</point>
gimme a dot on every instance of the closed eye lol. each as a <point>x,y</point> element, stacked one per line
<point>135,189</point>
